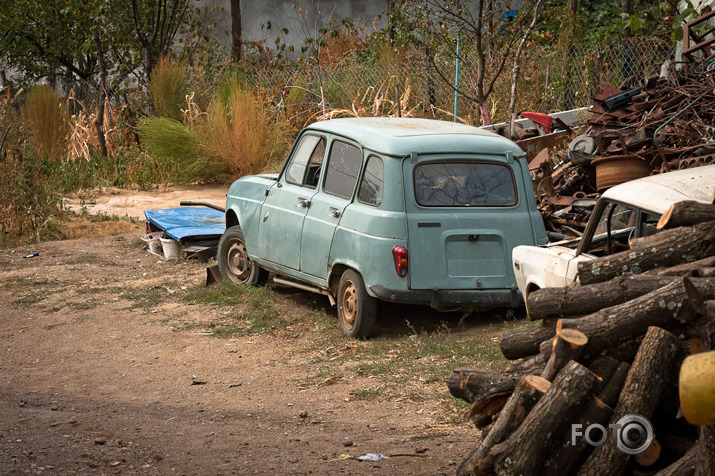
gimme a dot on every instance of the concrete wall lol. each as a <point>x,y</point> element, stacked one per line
<point>282,14</point>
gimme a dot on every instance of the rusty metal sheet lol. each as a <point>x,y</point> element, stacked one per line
<point>534,145</point>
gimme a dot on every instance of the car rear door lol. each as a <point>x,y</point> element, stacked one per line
<point>336,191</point>
<point>464,215</point>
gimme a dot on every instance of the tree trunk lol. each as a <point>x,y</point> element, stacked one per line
<point>99,120</point>
<point>612,389</point>
<point>686,213</point>
<point>525,342</point>
<point>525,450</point>
<point>564,458</point>
<point>236,30</point>
<point>525,396</point>
<point>667,248</point>
<point>580,300</point>
<point>644,385</point>
<point>675,303</point>
<point>517,58</point>
<point>568,345</point>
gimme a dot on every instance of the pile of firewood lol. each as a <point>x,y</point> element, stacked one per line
<point>606,348</point>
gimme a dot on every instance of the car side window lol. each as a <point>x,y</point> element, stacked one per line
<point>343,169</point>
<point>370,192</point>
<point>616,226</point>
<point>312,173</point>
<point>307,148</point>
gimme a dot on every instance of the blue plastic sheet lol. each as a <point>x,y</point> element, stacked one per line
<point>188,222</point>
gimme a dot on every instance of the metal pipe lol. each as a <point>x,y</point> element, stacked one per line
<point>655,134</point>
<point>184,203</point>
<point>305,287</point>
<point>456,82</point>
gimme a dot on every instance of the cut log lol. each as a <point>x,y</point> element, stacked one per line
<point>642,389</point>
<point>582,300</point>
<point>686,269</point>
<point>612,389</point>
<point>672,304</point>
<point>686,213</point>
<point>625,351</point>
<point>564,458</point>
<point>651,455</point>
<point>525,396</point>
<point>489,405</point>
<point>705,272</point>
<point>685,466</point>
<point>471,384</point>
<point>525,451</point>
<point>525,342</point>
<point>568,345</point>
<point>481,420</point>
<point>667,248</point>
<point>603,366</point>
<point>533,364</point>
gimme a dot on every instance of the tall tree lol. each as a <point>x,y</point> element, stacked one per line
<point>236,29</point>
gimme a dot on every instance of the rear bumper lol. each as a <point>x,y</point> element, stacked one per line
<point>449,298</point>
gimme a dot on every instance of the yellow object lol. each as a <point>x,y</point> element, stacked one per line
<point>697,388</point>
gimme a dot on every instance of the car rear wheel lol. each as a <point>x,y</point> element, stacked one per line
<point>357,310</point>
<point>233,262</point>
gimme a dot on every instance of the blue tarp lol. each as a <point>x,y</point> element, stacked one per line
<point>188,222</point>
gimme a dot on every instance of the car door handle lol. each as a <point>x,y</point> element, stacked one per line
<point>335,213</point>
<point>303,203</point>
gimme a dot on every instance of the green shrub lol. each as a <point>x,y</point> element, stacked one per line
<point>178,148</point>
<point>48,120</point>
<point>169,85</point>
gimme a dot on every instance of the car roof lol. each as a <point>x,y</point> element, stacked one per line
<point>658,192</point>
<point>402,136</point>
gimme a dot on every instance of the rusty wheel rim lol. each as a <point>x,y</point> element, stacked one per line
<point>239,265</point>
<point>349,307</point>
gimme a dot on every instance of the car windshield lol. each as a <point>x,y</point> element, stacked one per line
<point>464,184</point>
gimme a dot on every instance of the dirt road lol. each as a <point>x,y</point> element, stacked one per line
<point>110,364</point>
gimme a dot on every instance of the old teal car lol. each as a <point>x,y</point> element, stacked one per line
<point>404,210</point>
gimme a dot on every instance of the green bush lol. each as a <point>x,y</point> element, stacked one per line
<point>178,149</point>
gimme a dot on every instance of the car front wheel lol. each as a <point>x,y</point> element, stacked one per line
<point>357,310</point>
<point>233,261</point>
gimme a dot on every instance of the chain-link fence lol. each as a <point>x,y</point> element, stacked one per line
<point>549,81</point>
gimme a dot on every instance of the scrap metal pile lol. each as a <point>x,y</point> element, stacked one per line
<point>618,352</point>
<point>664,124</point>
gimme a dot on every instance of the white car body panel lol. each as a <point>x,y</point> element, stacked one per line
<point>556,264</point>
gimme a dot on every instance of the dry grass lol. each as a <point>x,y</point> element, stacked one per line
<point>48,120</point>
<point>241,132</point>
<point>382,101</point>
<point>83,133</point>
<point>169,84</point>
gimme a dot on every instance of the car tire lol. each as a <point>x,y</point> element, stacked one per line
<point>357,310</point>
<point>234,265</point>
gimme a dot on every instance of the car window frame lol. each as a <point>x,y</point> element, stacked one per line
<point>326,163</point>
<point>362,178</point>
<point>284,172</point>
<point>587,239</point>
<point>463,161</point>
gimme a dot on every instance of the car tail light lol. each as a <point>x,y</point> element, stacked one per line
<point>400,255</point>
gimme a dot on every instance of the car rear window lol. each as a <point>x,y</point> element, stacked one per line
<point>464,184</point>
<point>370,191</point>
<point>343,168</point>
